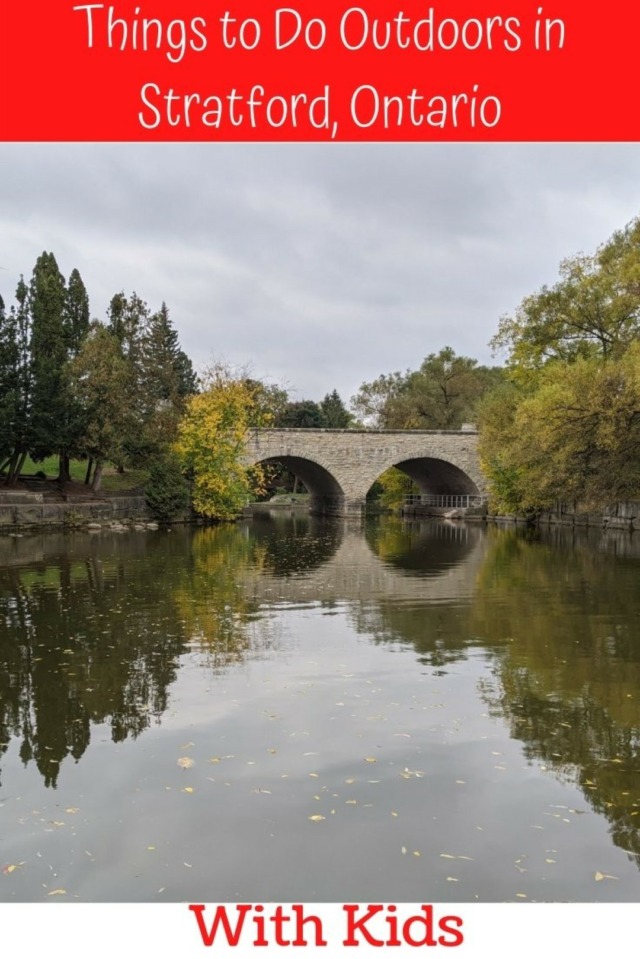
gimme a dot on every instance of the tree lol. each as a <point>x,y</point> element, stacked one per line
<point>593,309</point>
<point>167,372</point>
<point>128,318</point>
<point>211,437</point>
<point>15,388</point>
<point>373,401</point>
<point>393,487</point>
<point>269,400</point>
<point>334,412</point>
<point>46,302</point>
<point>301,414</point>
<point>574,437</point>
<point>99,380</point>
<point>160,374</point>
<point>76,318</point>
<point>441,395</point>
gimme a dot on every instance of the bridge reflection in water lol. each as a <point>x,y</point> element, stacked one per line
<point>501,665</point>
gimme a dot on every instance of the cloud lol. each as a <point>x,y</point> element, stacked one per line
<point>319,265</point>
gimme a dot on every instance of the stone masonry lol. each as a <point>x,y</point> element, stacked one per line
<point>338,467</point>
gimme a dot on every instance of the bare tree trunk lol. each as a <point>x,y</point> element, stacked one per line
<point>16,469</point>
<point>64,476</point>
<point>97,478</point>
<point>87,475</point>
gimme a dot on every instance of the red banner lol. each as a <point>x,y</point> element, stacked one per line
<point>294,70</point>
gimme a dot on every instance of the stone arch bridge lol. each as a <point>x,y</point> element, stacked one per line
<point>339,467</point>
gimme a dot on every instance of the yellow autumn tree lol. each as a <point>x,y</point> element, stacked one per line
<point>211,437</point>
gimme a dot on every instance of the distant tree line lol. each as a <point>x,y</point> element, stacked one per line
<point>560,422</point>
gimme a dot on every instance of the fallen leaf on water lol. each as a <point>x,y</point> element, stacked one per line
<point>57,892</point>
<point>599,876</point>
<point>403,850</point>
<point>72,809</point>
<point>188,789</point>
<point>316,818</point>
<point>370,759</point>
<point>9,869</point>
<point>185,762</point>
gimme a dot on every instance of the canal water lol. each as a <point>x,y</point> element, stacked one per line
<point>291,710</point>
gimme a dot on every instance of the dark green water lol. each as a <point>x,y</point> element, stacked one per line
<point>286,710</point>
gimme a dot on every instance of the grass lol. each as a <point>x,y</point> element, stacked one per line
<point>112,481</point>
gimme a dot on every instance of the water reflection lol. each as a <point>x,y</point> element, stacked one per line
<point>102,632</point>
<point>565,619</point>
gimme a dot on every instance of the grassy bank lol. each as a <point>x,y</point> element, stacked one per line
<point>112,481</point>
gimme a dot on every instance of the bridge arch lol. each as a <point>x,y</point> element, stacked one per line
<point>325,490</point>
<point>437,476</point>
<point>340,466</point>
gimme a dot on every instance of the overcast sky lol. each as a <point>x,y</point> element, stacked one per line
<point>320,266</point>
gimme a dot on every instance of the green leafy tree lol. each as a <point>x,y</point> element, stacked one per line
<point>373,401</point>
<point>99,380</point>
<point>592,311</point>
<point>574,438</point>
<point>301,414</point>
<point>441,395</point>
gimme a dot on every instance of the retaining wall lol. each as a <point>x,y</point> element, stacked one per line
<point>23,511</point>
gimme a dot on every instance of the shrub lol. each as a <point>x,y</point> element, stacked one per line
<point>166,490</point>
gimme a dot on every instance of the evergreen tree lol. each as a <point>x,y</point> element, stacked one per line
<point>76,313</point>
<point>23,381</point>
<point>335,414</point>
<point>9,382</point>
<point>47,297</point>
<point>167,371</point>
<point>128,318</point>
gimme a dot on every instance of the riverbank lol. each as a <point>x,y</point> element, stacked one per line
<point>619,516</point>
<point>27,510</point>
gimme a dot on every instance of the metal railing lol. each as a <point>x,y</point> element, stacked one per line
<point>445,500</point>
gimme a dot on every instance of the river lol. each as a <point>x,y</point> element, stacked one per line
<point>291,710</point>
